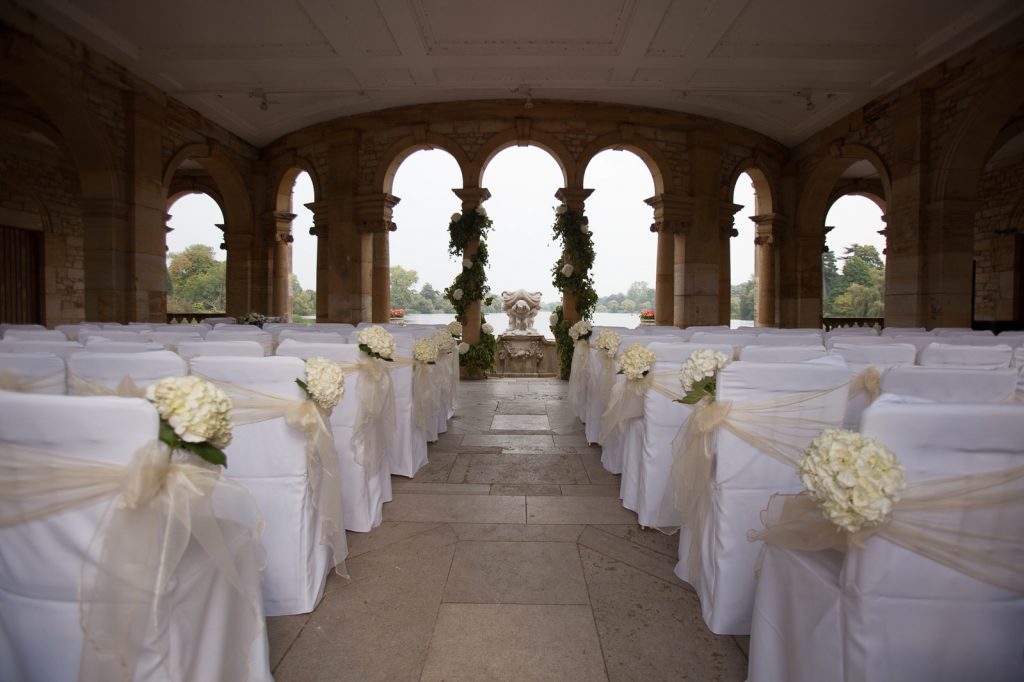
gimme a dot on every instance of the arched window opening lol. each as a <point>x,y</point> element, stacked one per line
<point>421,268</point>
<point>522,182</point>
<point>853,265</point>
<point>626,260</point>
<point>303,248</point>
<point>196,262</point>
<point>744,277</point>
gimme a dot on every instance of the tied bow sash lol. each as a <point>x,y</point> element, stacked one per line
<point>126,388</point>
<point>627,399</point>
<point>160,517</point>
<point>946,520</point>
<point>47,383</point>
<point>578,374</point>
<point>375,412</point>
<point>774,427</point>
<point>869,381</point>
<point>250,406</point>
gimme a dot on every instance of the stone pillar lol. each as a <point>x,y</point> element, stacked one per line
<point>574,199</point>
<point>373,214</point>
<point>671,218</point>
<point>106,255</point>
<point>471,198</point>
<point>766,227</point>
<point>698,258</point>
<point>349,249</point>
<point>949,264</point>
<point>319,230</point>
<point>146,256</point>
<point>282,231</point>
<point>726,221</point>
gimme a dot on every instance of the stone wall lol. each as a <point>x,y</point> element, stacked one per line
<point>998,227</point>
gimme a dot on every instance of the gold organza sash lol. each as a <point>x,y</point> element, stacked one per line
<point>869,381</point>
<point>947,520</point>
<point>774,427</point>
<point>160,507</point>
<point>126,388</point>
<point>627,399</point>
<point>9,381</point>
<point>578,373</point>
<point>375,411</point>
<point>424,395</point>
<point>250,406</point>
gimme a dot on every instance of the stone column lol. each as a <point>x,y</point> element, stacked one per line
<point>574,199</point>
<point>766,227</point>
<point>726,222</point>
<point>350,249</point>
<point>949,263</point>
<point>282,301</point>
<point>471,198</point>
<point>373,214</point>
<point>106,222</point>
<point>319,230</point>
<point>671,217</point>
<point>699,262</point>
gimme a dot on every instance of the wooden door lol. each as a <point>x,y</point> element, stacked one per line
<point>21,281</point>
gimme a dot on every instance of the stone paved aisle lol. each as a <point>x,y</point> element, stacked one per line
<point>509,557</point>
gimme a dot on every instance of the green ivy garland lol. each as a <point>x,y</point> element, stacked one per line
<point>571,273</point>
<point>471,282</point>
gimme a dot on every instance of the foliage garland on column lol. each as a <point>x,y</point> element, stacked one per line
<point>471,284</point>
<point>571,273</point>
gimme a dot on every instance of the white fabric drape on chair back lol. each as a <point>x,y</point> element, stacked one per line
<point>950,385</point>
<point>32,373</point>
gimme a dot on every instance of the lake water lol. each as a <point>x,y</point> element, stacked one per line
<point>500,321</point>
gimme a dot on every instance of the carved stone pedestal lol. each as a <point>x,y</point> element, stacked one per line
<point>525,355</point>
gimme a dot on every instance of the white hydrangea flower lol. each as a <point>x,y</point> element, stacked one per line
<point>567,270</point>
<point>444,340</point>
<point>481,211</point>
<point>467,263</point>
<point>456,217</point>
<point>580,330</point>
<point>608,341</point>
<point>561,209</point>
<point>702,364</point>
<point>457,294</point>
<point>325,382</point>
<point>455,328</point>
<point>487,328</point>
<point>379,340</point>
<point>463,348</point>
<point>425,350</point>
<point>636,361</point>
<point>197,410</point>
<point>855,479</point>
<point>553,320</point>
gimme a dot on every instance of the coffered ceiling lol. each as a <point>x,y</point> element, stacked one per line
<point>785,68</point>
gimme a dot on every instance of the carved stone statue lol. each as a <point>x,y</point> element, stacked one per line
<point>521,306</point>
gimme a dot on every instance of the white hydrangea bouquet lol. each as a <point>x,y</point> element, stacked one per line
<point>325,382</point>
<point>636,361</point>
<point>377,342</point>
<point>425,351</point>
<point>697,375</point>
<point>445,341</point>
<point>580,331</point>
<point>455,329</point>
<point>608,341</point>
<point>854,479</point>
<point>195,416</point>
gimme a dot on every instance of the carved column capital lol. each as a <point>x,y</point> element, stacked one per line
<point>673,213</point>
<point>573,197</point>
<point>373,211</point>
<point>472,196</point>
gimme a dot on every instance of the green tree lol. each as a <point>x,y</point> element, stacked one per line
<point>859,291</point>
<point>403,291</point>
<point>830,273</point>
<point>197,281</point>
<point>303,301</point>
<point>743,296</point>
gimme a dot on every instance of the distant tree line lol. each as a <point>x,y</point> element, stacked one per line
<point>639,296</point>
<point>858,290</point>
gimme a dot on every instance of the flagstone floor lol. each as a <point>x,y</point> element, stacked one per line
<point>509,557</point>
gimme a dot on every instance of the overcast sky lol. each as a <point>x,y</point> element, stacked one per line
<point>522,182</point>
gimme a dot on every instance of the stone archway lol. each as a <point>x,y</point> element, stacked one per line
<point>768,227</point>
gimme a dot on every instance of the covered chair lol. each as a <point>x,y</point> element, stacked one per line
<point>283,451</point>
<point>735,453</point>
<point>950,385</point>
<point>32,373</point>
<point>365,473</point>
<point>161,602</point>
<point>759,352</point>
<point>125,374</point>
<point>247,349</point>
<point>62,349</point>
<point>979,357</point>
<point>868,363</point>
<point>936,594</point>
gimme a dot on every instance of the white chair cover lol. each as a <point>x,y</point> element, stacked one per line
<point>62,349</point>
<point>274,455</point>
<point>979,357</point>
<point>5,327</point>
<point>199,327</point>
<point>981,340</point>
<point>961,331</point>
<point>214,321</point>
<point>789,338</point>
<point>125,374</point>
<point>35,335</point>
<point>764,417</point>
<point>97,345</point>
<point>246,349</point>
<point>123,334</point>
<point>937,594</point>
<point>775,353</point>
<point>171,339</point>
<point>245,332</point>
<point>896,331</point>
<point>851,331</point>
<point>407,443</point>
<point>97,509</point>
<point>32,373</point>
<point>950,385</point>
<point>736,339</point>
<point>365,475</point>
<point>311,336</point>
<point>647,440</point>
<point>868,362</point>
<point>864,340</point>
<point>70,331</point>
